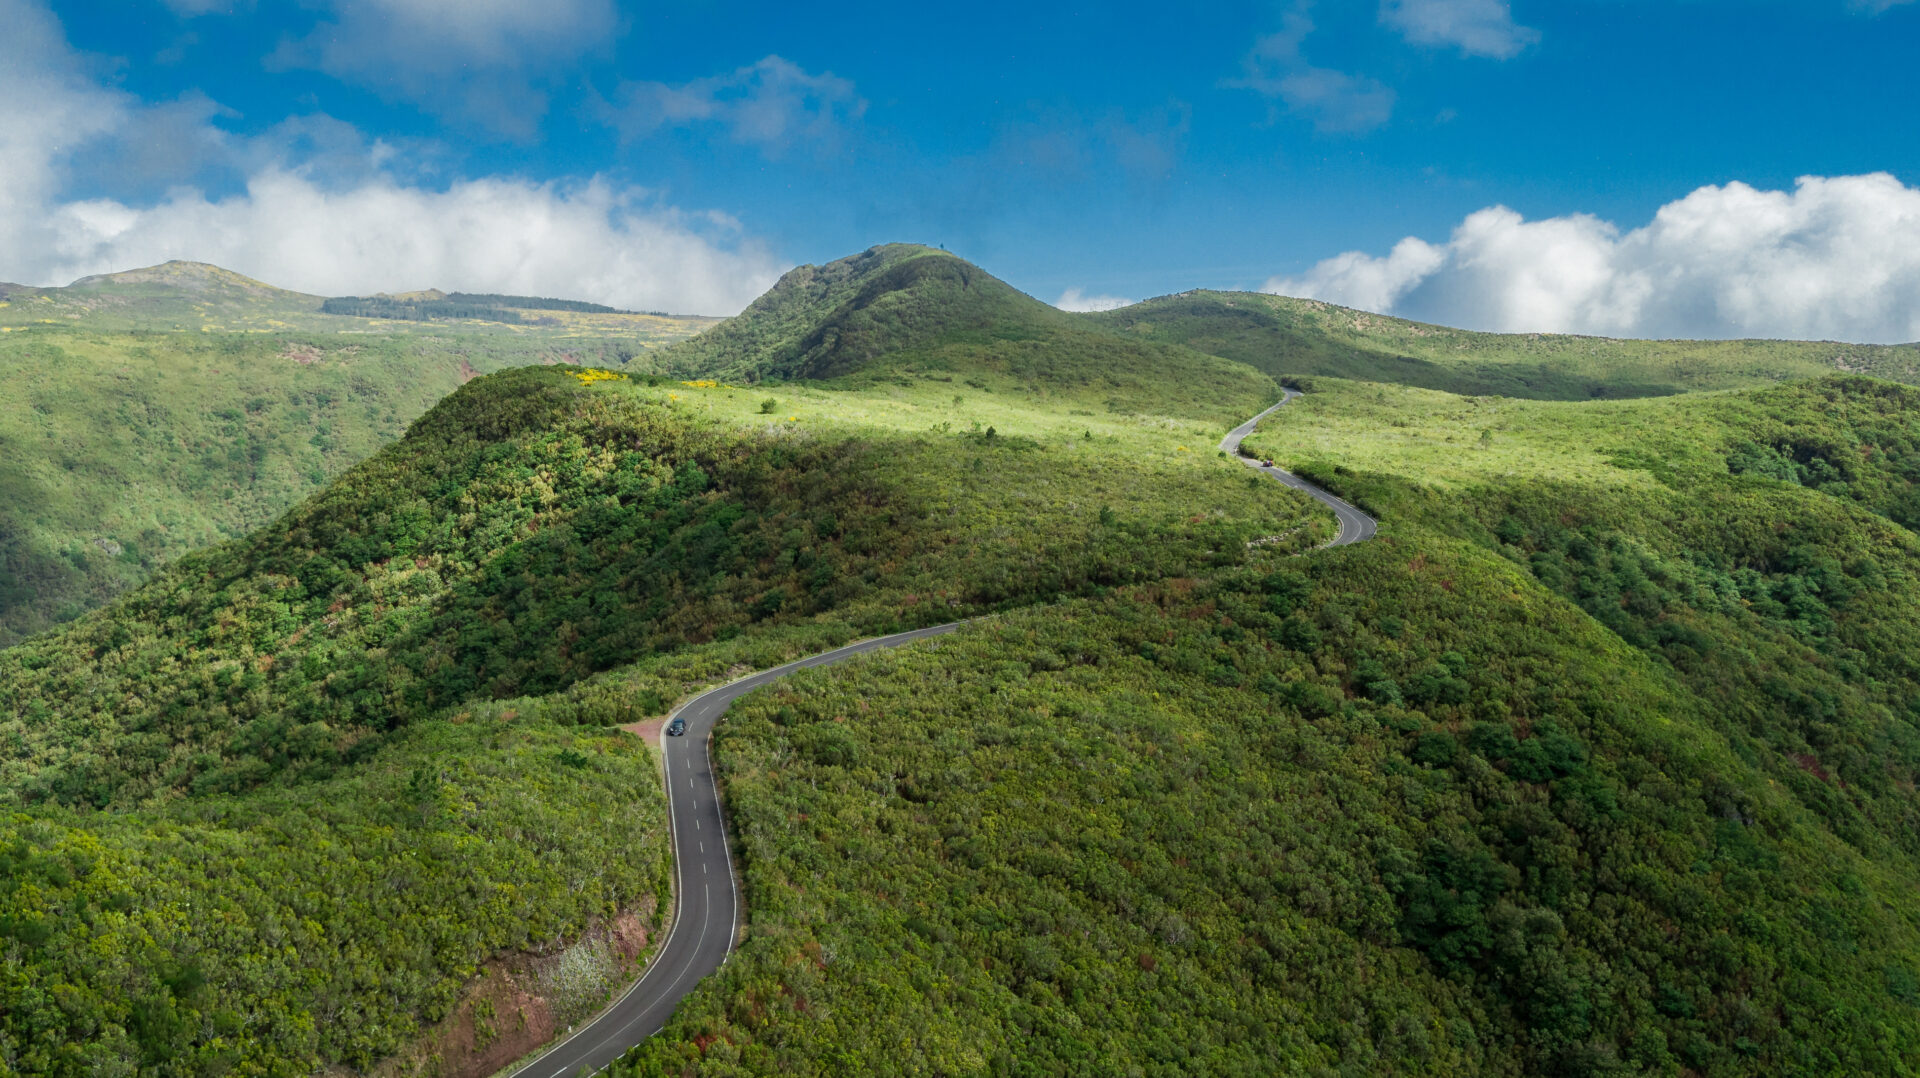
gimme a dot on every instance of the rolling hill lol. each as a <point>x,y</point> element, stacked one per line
<point>1599,760</point>
<point>149,413</point>
<point>1300,337</point>
<point>199,298</point>
<point>547,552</point>
<point>901,312</point>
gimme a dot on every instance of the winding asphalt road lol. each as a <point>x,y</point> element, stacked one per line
<point>1355,526</point>
<point>706,924</point>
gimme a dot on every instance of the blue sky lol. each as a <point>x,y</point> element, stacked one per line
<point>1118,151</point>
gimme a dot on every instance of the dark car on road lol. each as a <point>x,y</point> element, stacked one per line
<point>676,727</point>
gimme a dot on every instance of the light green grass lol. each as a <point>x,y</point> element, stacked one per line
<point>1457,443</point>
<point>1288,337</point>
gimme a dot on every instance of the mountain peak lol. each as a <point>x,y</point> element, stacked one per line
<point>827,320</point>
<point>187,276</point>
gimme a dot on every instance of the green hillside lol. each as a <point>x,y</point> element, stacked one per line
<point>1600,760</point>
<point>900,312</point>
<point>1290,337</point>
<point>193,297</point>
<point>167,409</point>
<point>544,554</point>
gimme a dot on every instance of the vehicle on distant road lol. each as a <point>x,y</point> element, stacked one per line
<point>676,728</point>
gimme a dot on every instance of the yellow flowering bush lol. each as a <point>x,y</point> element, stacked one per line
<point>587,378</point>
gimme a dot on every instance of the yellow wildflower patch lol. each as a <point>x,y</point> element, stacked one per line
<point>587,378</point>
<point>704,383</point>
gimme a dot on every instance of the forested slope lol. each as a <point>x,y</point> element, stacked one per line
<point>1396,809</point>
<point>539,526</point>
<point>122,451</point>
<point>150,413</point>
<point>404,684</point>
<point>1599,761</point>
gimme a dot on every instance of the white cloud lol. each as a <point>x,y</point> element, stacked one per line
<point>1835,258</point>
<point>593,241</point>
<point>773,103</point>
<point>1335,101</point>
<point>1075,300</point>
<point>1475,27</point>
<point>66,110</point>
<point>323,210</point>
<point>1356,279</point>
<point>482,60</point>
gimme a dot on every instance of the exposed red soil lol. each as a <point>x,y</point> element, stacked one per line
<point>501,1015</point>
<point>648,730</point>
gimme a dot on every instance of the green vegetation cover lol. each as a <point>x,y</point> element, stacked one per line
<point>1600,760</point>
<point>435,306</point>
<point>1284,337</point>
<point>152,413</point>
<point>894,313</point>
<point>548,552</point>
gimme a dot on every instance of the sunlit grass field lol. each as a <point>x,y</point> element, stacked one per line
<point>1283,336</point>
<point>1454,442</point>
<point>1014,452</point>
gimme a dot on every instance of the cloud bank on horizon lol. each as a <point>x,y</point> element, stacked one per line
<point>1836,258</point>
<point>347,219</point>
<point>605,150</point>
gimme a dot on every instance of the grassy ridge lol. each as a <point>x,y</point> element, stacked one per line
<point>619,521</point>
<point>681,530</point>
<point>193,297</point>
<point>1295,337</point>
<point>901,312</point>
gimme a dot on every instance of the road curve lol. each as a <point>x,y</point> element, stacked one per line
<point>706,923</point>
<point>1355,526</point>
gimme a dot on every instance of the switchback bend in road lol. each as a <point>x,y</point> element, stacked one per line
<point>1355,526</point>
<point>706,922</point>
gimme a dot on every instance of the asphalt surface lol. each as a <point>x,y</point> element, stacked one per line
<point>1355,526</point>
<point>707,923</point>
